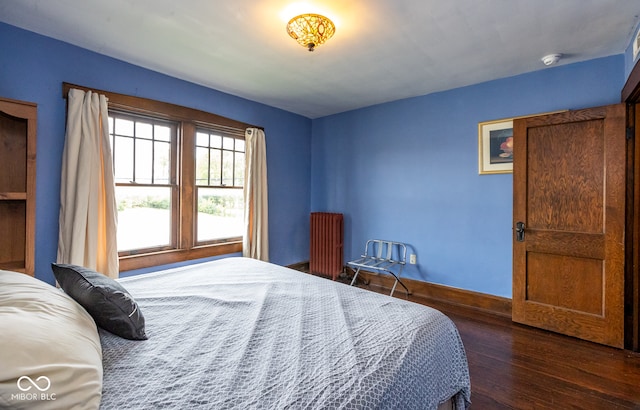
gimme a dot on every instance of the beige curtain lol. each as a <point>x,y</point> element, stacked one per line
<point>88,213</point>
<point>255,242</point>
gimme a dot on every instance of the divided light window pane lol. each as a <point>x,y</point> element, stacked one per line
<point>124,127</point>
<point>144,217</point>
<point>219,160</point>
<point>162,162</point>
<point>216,141</point>
<point>220,213</point>
<point>215,168</point>
<point>144,130</point>
<point>219,185</point>
<point>238,173</point>
<point>142,156</point>
<point>202,169</point>
<point>227,168</point>
<point>162,133</point>
<point>227,143</point>
<point>123,160</point>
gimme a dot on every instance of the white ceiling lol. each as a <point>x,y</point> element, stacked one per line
<point>383,50</point>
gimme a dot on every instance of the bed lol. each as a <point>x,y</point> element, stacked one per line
<point>237,333</point>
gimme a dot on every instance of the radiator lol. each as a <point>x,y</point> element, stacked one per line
<point>325,256</point>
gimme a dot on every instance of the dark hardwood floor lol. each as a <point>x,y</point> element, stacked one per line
<point>519,367</point>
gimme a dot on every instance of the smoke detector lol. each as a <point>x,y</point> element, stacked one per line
<point>551,59</point>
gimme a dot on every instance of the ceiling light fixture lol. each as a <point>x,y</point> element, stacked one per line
<point>310,30</point>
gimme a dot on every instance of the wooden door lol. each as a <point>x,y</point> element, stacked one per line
<point>569,195</point>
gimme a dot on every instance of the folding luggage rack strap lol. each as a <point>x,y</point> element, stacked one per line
<point>378,257</point>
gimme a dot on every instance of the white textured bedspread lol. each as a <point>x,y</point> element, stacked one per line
<point>243,334</point>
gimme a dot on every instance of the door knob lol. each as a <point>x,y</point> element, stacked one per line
<point>520,231</point>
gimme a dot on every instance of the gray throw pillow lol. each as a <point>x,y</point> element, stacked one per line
<point>107,301</point>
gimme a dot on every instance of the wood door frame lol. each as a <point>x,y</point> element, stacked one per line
<point>631,96</point>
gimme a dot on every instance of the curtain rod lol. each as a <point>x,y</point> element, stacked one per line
<point>149,106</point>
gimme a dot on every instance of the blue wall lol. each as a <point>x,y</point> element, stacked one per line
<point>33,67</point>
<point>405,170</point>
<point>408,170</point>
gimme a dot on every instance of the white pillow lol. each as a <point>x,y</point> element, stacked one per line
<point>50,353</point>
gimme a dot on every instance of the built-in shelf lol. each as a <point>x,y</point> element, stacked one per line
<point>13,196</point>
<point>16,266</point>
<point>17,185</point>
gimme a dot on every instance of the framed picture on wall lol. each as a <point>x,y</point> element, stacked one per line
<point>495,147</point>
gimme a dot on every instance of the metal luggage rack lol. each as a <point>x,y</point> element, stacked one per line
<point>378,258</point>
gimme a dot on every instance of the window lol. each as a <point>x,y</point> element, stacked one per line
<point>219,186</point>
<point>144,157</point>
<point>179,177</point>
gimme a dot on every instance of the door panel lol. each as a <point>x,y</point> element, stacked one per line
<point>566,190</point>
<point>569,191</point>
<point>577,283</point>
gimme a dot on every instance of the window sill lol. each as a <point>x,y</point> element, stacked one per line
<point>146,260</point>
